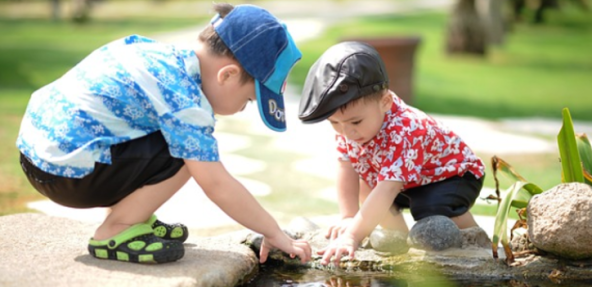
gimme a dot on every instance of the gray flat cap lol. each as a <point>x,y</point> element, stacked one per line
<point>345,72</point>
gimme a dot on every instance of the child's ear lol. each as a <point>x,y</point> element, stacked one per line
<point>386,101</point>
<point>228,74</point>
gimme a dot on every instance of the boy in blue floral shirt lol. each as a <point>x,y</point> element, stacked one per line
<point>129,125</point>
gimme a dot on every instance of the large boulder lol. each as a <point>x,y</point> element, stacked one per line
<point>560,221</point>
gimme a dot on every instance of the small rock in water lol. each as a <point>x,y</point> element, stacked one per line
<point>391,241</point>
<point>435,233</point>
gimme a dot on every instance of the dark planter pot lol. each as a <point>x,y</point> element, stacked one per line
<point>398,54</point>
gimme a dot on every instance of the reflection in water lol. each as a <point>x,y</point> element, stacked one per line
<point>278,276</point>
<point>305,277</point>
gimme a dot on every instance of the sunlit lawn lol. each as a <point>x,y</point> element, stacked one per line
<point>538,71</point>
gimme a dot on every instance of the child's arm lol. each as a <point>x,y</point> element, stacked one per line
<point>374,209</point>
<point>348,191</point>
<point>234,199</point>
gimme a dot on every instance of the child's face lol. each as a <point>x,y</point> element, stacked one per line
<point>361,121</point>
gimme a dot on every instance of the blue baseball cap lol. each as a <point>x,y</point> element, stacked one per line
<point>265,49</point>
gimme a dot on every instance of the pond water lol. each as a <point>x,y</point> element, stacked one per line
<point>306,277</point>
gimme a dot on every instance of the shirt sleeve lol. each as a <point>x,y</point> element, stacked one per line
<point>341,148</point>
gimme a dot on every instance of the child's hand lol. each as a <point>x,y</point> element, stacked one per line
<point>334,231</point>
<point>299,248</point>
<point>343,245</point>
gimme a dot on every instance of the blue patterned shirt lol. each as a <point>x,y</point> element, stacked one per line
<point>124,90</point>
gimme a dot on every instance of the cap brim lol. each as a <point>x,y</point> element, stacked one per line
<point>271,107</point>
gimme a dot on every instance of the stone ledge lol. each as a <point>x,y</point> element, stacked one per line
<point>42,250</point>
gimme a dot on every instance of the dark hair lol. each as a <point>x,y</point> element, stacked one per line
<point>216,45</point>
<point>368,97</point>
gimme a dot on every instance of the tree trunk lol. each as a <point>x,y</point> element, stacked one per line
<point>55,10</point>
<point>539,14</point>
<point>491,13</point>
<point>81,10</point>
<point>466,32</point>
<point>517,9</point>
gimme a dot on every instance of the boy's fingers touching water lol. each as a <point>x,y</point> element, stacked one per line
<point>299,248</point>
<point>344,245</point>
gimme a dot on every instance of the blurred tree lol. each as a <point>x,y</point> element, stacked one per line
<point>540,7</point>
<point>491,13</point>
<point>55,10</point>
<point>466,32</point>
<point>81,10</point>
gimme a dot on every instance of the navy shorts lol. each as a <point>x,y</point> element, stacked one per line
<point>451,197</point>
<point>139,162</point>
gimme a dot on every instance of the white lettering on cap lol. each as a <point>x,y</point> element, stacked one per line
<point>276,112</point>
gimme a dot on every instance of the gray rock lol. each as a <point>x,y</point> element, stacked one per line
<point>475,237</point>
<point>520,241</point>
<point>560,221</point>
<point>392,242</point>
<point>434,233</point>
<point>302,225</point>
<point>254,240</point>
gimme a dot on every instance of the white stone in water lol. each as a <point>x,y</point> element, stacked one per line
<point>392,241</point>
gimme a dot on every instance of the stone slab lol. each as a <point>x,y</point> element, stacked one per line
<point>42,250</point>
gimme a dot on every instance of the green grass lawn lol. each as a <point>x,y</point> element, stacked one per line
<point>536,73</point>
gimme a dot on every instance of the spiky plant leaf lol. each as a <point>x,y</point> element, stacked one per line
<point>571,166</point>
<point>500,231</point>
<point>585,151</point>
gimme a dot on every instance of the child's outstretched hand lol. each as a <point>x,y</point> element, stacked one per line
<point>299,248</point>
<point>339,247</point>
<point>336,230</point>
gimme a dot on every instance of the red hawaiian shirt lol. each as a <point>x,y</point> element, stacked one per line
<point>411,147</point>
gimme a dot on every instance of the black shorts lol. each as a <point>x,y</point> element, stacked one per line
<point>139,162</point>
<point>451,197</point>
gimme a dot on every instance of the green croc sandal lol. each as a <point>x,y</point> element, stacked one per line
<point>137,244</point>
<point>177,231</point>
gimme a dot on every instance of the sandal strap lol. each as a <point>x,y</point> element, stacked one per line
<point>130,233</point>
<point>151,220</point>
<point>176,231</point>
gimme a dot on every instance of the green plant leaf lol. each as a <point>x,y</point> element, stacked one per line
<point>571,166</point>
<point>585,151</point>
<point>522,197</point>
<point>500,165</point>
<point>512,195</point>
<point>503,166</point>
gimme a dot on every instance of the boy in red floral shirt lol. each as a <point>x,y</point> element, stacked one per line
<point>393,155</point>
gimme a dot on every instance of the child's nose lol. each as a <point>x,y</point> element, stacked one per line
<point>349,132</point>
